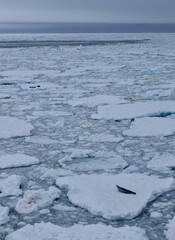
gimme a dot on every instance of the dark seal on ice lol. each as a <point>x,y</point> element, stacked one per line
<point>124,190</point>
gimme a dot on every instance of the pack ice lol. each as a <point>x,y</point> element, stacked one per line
<point>100,196</point>
<point>49,231</point>
<point>14,127</point>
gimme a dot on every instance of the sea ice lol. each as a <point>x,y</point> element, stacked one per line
<point>36,199</point>
<point>40,140</point>
<point>151,126</point>
<point>162,163</point>
<point>52,173</point>
<point>10,186</point>
<point>87,160</point>
<point>96,100</point>
<point>100,196</point>
<point>134,110</point>
<point>101,138</point>
<point>170,232</point>
<point>17,160</point>
<point>49,231</point>
<point>4,212</point>
<point>14,127</point>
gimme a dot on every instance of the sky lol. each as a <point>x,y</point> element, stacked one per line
<point>96,11</point>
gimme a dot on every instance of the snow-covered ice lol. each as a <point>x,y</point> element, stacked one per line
<point>99,195</point>
<point>14,127</point>
<point>33,200</point>
<point>151,126</point>
<point>49,231</point>
<point>96,100</point>
<point>102,137</point>
<point>134,110</point>
<point>4,215</point>
<point>10,186</point>
<point>162,163</point>
<point>170,230</point>
<point>17,160</point>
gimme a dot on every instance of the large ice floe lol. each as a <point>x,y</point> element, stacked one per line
<point>151,126</point>
<point>96,100</point>
<point>10,186</point>
<point>33,200</point>
<point>135,110</point>
<point>49,231</point>
<point>4,212</point>
<point>170,230</point>
<point>87,160</point>
<point>17,160</point>
<point>100,196</point>
<point>163,163</point>
<point>14,127</point>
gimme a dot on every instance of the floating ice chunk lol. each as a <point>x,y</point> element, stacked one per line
<point>61,207</point>
<point>100,196</point>
<point>163,163</point>
<point>102,138</point>
<point>93,101</point>
<point>156,215</point>
<point>52,173</point>
<point>86,160</point>
<point>14,127</point>
<point>170,232</point>
<point>49,231</point>
<point>134,110</point>
<point>40,140</point>
<point>151,126</point>
<point>17,160</point>
<point>36,199</point>
<point>4,212</point>
<point>10,186</point>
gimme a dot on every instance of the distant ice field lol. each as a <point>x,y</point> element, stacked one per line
<point>87,136</point>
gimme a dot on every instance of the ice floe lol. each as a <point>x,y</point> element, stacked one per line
<point>151,126</point>
<point>17,160</point>
<point>49,231</point>
<point>40,140</point>
<point>134,110</point>
<point>170,232</point>
<point>162,163</point>
<point>33,200</point>
<point>10,186</point>
<point>100,196</point>
<point>87,160</point>
<point>101,138</point>
<point>14,127</point>
<point>4,212</point>
<point>52,173</point>
<point>93,101</point>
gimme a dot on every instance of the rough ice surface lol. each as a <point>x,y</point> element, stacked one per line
<point>4,212</point>
<point>17,160</point>
<point>14,127</point>
<point>101,138</point>
<point>151,126</point>
<point>87,160</point>
<point>50,231</point>
<point>36,199</point>
<point>170,232</point>
<point>10,186</point>
<point>162,163</point>
<point>100,196</point>
<point>134,110</point>
<point>96,100</point>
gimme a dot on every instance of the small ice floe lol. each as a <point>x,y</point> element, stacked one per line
<point>4,212</point>
<point>14,127</point>
<point>62,207</point>
<point>52,173</point>
<point>10,186</point>
<point>135,110</point>
<point>96,100</point>
<point>99,195</point>
<point>162,163</point>
<point>86,160</point>
<point>49,231</point>
<point>40,140</point>
<point>101,138</point>
<point>156,215</point>
<point>151,126</point>
<point>17,160</point>
<point>35,200</point>
<point>170,230</point>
